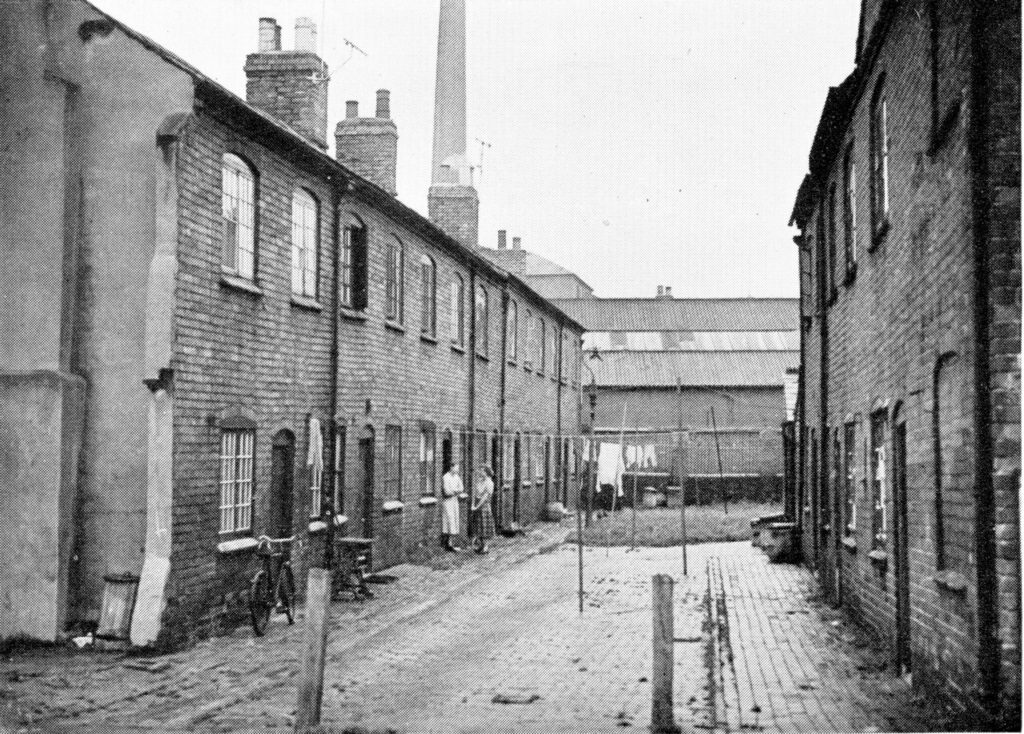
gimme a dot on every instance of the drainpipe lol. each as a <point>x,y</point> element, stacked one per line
<point>502,387</point>
<point>984,530</point>
<point>822,287</point>
<point>800,429</point>
<point>329,509</point>
<point>470,419</point>
<point>562,475</point>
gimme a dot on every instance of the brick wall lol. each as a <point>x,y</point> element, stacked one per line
<point>901,344</point>
<point>266,357</point>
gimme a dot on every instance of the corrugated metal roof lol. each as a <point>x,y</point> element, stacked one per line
<point>677,314</point>
<point>699,341</point>
<point>695,369</point>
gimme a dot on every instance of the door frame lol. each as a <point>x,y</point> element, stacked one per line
<point>901,549</point>
<point>281,505</point>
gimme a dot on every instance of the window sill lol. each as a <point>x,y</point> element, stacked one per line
<point>527,367</point>
<point>228,279</point>
<point>394,326</point>
<point>879,557</point>
<point>310,304</point>
<point>392,506</point>
<point>511,363</point>
<point>850,544</point>
<point>850,275</point>
<point>427,501</point>
<point>428,339</point>
<point>317,526</point>
<point>879,235</point>
<point>950,580</point>
<point>237,545</point>
<point>483,357</point>
<point>457,349</point>
<point>340,520</point>
<point>351,315</point>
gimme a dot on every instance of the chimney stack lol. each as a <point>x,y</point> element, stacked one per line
<point>517,243</point>
<point>383,104</point>
<point>661,292</point>
<point>668,291</point>
<point>290,85</point>
<point>501,239</point>
<point>369,145</point>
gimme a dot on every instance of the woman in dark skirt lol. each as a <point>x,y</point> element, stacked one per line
<point>483,490</point>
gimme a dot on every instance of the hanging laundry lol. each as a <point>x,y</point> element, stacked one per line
<point>633,456</point>
<point>610,466</point>
<point>650,460</point>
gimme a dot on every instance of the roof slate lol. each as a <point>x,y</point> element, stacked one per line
<point>694,369</point>
<point>684,314</point>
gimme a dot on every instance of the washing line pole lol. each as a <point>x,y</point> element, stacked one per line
<point>682,479</point>
<point>718,451</point>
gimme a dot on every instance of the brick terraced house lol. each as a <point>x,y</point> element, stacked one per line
<point>210,330</point>
<point>909,400</point>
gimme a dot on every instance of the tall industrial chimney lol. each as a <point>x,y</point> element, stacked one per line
<point>453,203</point>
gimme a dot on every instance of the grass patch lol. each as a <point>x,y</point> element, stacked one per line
<point>660,526</point>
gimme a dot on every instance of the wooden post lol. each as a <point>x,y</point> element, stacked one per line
<point>681,458</point>
<point>662,718</point>
<point>718,453</point>
<point>314,649</point>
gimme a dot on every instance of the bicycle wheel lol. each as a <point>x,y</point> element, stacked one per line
<point>260,602</point>
<point>286,592</point>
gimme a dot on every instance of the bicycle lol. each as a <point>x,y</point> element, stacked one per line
<point>269,587</point>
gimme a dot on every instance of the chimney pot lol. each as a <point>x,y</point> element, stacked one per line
<point>661,291</point>
<point>383,104</point>
<point>517,243</point>
<point>501,239</point>
<point>270,35</point>
<point>352,109</point>
<point>668,291</point>
<point>305,35</point>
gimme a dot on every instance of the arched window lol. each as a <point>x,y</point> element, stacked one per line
<point>305,238</point>
<point>481,321</point>
<point>395,281</point>
<point>879,129</point>
<point>458,311</point>
<point>512,330</point>
<point>529,347</point>
<point>428,297</point>
<point>353,262</point>
<point>542,342</point>
<point>238,213</point>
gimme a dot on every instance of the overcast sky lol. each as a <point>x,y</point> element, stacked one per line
<point>636,142</point>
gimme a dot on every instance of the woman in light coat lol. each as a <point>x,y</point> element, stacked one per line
<point>451,489</point>
<point>483,490</point>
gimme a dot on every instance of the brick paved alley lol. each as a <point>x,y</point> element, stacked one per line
<point>497,644</point>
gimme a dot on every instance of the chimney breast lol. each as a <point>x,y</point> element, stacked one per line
<point>290,85</point>
<point>383,104</point>
<point>270,35</point>
<point>501,239</point>
<point>517,243</point>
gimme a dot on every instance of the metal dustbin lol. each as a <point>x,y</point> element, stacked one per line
<point>119,592</point>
